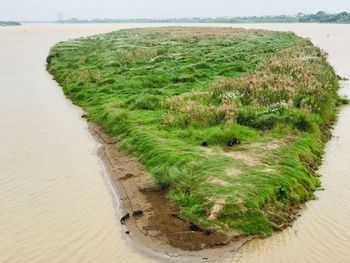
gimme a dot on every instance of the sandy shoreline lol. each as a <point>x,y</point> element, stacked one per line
<point>152,234</point>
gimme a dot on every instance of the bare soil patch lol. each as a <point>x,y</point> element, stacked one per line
<point>161,220</point>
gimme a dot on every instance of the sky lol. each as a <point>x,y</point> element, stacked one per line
<point>47,10</point>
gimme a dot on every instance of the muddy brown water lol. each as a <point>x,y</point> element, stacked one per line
<point>56,202</point>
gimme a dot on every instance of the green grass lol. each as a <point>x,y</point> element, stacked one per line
<point>163,92</point>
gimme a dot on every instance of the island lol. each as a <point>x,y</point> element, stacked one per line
<point>211,135</point>
<point>9,23</point>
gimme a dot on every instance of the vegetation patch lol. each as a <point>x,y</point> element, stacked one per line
<point>319,17</point>
<point>230,122</point>
<point>9,23</point>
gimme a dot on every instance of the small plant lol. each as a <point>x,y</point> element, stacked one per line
<point>146,102</point>
<point>274,108</point>
<point>343,101</point>
<point>230,95</point>
<point>282,193</point>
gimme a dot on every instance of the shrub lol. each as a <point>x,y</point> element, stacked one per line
<point>117,121</point>
<point>146,102</point>
<point>184,79</point>
<point>303,122</point>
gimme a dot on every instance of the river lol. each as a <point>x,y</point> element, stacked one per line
<point>56,203</point>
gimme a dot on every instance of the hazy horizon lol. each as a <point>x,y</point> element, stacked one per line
<point>39,10</point>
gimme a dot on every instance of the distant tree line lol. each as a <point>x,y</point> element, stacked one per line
<point>323,17</point>
<point>9,23</point>
<point>319,17</point>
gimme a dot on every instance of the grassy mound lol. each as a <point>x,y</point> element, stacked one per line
<point>181,99</point>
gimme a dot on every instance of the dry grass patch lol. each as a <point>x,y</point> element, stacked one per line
<point>215,210</point>
<point>232,171</point>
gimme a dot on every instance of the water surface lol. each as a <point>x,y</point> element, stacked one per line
<point>55,202</point>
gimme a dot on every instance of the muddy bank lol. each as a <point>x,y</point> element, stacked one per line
<point>159,227</point>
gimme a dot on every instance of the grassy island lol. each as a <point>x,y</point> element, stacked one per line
<point>231,123</point>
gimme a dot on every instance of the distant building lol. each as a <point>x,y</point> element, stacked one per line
<point>59,16</point>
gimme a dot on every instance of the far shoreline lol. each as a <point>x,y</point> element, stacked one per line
<point>9,23</point>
